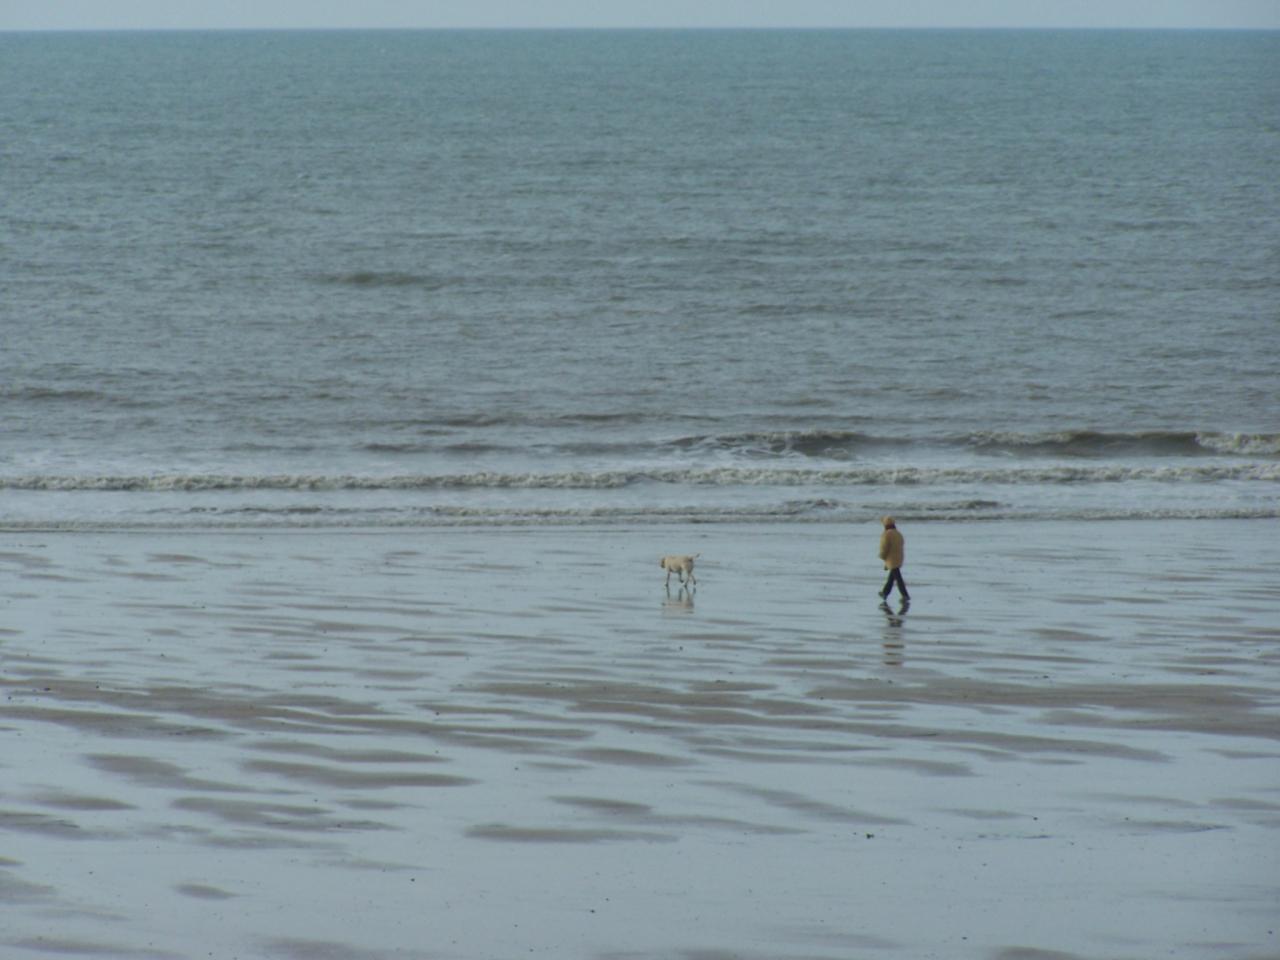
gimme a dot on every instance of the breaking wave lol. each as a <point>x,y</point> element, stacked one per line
<point>268,518</point>
<point>812,443</point>
<point>1089,443</point>
<point>618,479</point>
<point>440,436</point>
<point>1074,444</point>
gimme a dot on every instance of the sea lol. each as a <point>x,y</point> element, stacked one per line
<point>442,278</point>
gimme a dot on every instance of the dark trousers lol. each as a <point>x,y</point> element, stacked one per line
<point>895,576</point>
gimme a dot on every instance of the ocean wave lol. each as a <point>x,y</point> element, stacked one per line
<point>1091,443</point>
<point>1242,444</point>
<point>851,445</point>
<point>53,394</point>
<point>522,418</point>
<point>811,443</point>
<point>382,278</point>
<point>267,518</point>
<point>1075,444</point>
<point>618,479</point>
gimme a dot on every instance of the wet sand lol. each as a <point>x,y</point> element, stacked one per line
<point>507,743</point>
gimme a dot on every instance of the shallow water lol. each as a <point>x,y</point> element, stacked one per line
<point>478,744</point>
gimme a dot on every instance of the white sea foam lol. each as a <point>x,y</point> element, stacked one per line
<point>1242,444</point>
<point>1263,472</point>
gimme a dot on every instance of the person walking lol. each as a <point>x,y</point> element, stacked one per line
<point>893,552</point>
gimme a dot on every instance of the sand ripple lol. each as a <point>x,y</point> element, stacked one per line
<point>374,746</point>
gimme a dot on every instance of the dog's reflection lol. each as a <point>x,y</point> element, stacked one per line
<point>892,640</point>
<point>681,602</point>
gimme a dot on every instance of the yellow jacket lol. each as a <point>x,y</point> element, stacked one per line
<point>893,549</point>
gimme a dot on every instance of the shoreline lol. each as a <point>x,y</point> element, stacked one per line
<point>632,524</point>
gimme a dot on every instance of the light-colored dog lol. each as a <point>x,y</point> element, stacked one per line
<point>681,566</point>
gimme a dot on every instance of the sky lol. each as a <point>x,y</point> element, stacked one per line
<point>309,14</point>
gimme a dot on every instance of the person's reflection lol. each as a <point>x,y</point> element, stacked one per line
<point>682,602</point>
<point>895,647</point>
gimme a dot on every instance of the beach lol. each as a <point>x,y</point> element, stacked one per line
<point>500,742</point>
<point>356,381</point>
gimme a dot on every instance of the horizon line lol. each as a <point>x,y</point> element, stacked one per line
<point>1061,28</point>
